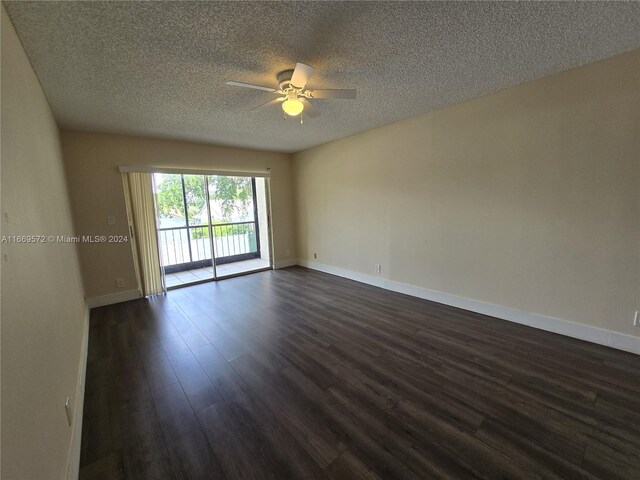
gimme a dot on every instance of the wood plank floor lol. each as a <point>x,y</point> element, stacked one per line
<point>298,374</point>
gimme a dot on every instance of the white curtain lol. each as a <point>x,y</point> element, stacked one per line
<point>139,196</point>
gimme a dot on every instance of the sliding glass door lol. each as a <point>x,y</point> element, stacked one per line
<point>210,226</point>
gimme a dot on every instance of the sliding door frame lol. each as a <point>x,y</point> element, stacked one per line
<point>211,239</point>
<point>250,174</point>
<point>267,200</point>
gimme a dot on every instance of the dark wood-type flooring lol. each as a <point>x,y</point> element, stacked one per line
<point>298,374</point>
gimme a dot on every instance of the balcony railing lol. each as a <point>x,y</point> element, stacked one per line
<point>189,247</point>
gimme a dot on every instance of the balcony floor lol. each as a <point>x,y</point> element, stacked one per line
<point>199,274</point>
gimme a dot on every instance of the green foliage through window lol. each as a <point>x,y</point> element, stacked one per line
<point>222,230</point>
<point>170,200</point>
<point>234,195</point>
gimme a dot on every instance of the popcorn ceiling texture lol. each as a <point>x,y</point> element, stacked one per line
<point>159,68</point>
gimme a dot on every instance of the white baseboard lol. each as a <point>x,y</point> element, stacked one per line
<point>286,263</point>
<point>601,336</point>
<point>112,298</point>
<point>73,465</point>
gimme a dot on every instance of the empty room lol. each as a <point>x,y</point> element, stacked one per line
<point>320,240</point>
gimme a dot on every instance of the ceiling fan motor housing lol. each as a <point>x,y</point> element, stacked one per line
<point>284,78</point>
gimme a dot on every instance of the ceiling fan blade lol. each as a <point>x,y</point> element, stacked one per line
<point>301,75</point>
<point>310,110</point>
<point>344,93</point>
<point>271,102</point>
<point>250,85</point>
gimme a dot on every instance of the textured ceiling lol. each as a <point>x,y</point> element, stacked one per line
<point>159,69</point>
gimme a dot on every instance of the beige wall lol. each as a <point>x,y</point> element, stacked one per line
<point>95,186</point>
<point>528,198</point>
<point>43,310</point>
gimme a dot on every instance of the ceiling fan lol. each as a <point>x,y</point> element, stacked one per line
<point>294,97</point>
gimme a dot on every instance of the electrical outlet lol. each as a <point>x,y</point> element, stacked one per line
<point>315,255</point>
<point>636,319</point>
<point>378,268</point>
<point>120,282</point>
<point>111,220</point>
<point>67,408</point>
<point>286,253</point>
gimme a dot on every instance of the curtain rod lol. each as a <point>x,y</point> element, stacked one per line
<point>188,171</point>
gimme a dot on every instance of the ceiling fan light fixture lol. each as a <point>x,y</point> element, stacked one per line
<point>292,106</point>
